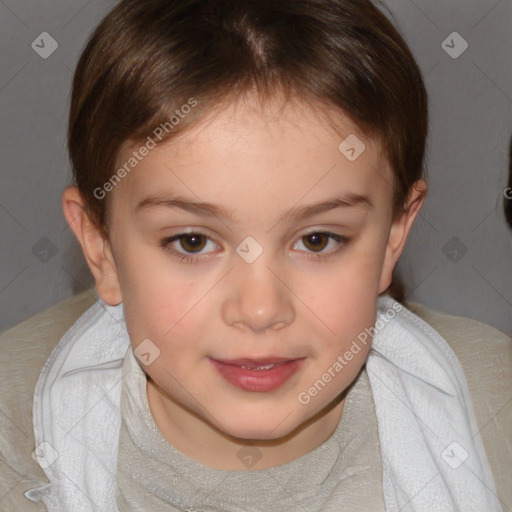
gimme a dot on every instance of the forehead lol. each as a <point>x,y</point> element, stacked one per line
<point>244,154</point>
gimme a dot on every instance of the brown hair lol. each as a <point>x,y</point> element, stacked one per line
<point>146,60</point>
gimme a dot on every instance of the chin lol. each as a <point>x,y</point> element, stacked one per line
<point>260,427</point>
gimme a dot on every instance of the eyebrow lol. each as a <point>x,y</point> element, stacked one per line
<point>346,200</point>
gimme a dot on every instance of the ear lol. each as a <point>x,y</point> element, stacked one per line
<point>399,231</point>
<point>95,245</point>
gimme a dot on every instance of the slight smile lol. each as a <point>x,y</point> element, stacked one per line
<point>257,375</point>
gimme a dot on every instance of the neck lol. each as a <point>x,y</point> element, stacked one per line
<point>203,442</point>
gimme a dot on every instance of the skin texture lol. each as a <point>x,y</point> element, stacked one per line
<point>302,297</point>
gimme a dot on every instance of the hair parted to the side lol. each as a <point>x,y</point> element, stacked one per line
<point>147,59</point>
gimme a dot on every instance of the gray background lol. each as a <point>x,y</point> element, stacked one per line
<point>459,256</point>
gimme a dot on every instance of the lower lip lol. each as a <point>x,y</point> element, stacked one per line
<point>258,380</point>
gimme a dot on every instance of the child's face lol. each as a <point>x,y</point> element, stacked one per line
<point>242,183</point>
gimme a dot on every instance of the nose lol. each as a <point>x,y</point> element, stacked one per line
<point>257,298</point>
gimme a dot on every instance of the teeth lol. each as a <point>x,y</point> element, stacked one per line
<point>266,367</point>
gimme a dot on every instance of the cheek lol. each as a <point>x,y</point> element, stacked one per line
<point>344,298</point>
<point>346,289</point>
<point>160,303</point>
<point>346,323</point>
<point>170,315</point>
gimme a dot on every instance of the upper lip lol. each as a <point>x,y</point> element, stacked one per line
<point>256,362</point>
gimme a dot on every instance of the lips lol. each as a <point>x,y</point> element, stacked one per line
<point>255,363</point>
<point>257,375</point>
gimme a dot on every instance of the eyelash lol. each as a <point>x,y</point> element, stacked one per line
<point>188,258</point>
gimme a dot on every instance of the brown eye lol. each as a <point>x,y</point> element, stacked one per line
<point>315,241</point>
<point>321,244</point>
<point>189,247</point>
<point>192,242</point>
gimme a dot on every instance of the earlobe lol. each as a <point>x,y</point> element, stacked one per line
<point>95,245</point>
<point>399,231</point>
